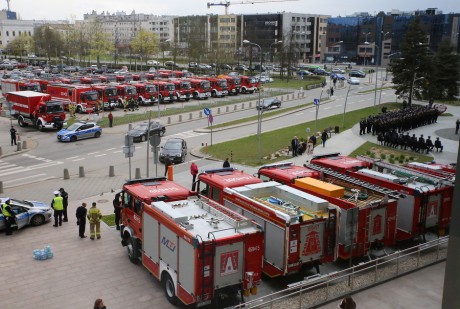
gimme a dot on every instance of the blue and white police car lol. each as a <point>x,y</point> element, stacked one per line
<point>79,130</point>
<point>27,212</point>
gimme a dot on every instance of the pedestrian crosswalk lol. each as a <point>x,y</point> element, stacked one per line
<point>186,134</point>
<point>14,174</point>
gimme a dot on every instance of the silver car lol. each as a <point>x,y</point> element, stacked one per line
<point>27,213</point>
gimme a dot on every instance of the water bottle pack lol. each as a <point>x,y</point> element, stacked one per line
<point>43,254</point>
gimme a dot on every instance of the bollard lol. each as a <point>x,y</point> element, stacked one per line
<point>190,116</point>
<point>250,104</point>
<point>81,171</point>
<point>234,107</point>
<point>24,145</point>
<point>130,126</point>
<point>19,146</point>
<point>18,136</point>
<point>282,98</point>
<point>1,186</point>
<point>66,174</point>
<point>138,173</point>
<point>218,112</point>
<point>201,114</point>
<point>111,171</point>
<point>1,152</point>
<point>227,109</point>
<point>169,120</point>
<point>242,105</point>
<point>170,173</point>
<point>180,118</point>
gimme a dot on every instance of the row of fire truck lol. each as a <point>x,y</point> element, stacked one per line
<point>87,92</point>
<point>336,207</point>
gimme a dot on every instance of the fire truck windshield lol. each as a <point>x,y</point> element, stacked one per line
<point>253,80</point>
<point>170,87</point>
<point>91,96</point>
<point>205,84</point>
<point>110,92</point>
<point>34,88</point>
<point>128,78</point>
<point>223,84</point>
<point>185,85</point>
<point>54,108</point>
<point>130,90</point>
<point>236,81</point>
<point>150,89</point>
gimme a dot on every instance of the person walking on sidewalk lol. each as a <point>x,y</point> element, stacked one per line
<point>457,126</point>
<point>9,215</point>
<point>13,135</point>
<point>347,303</point>
<point>94,216</point>
<point>194,172</point>
<point>110,116</point>
<point>81,219</point>
<point>117,209</point>
<point>324,137</point>
<point>65,200</point>
<point>99,304</point>
<point>58,205</point>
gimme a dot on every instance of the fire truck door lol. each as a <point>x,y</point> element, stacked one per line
<point>377,224</point>
<point>311,241</point>
<point>228,267</point>
<point>432,210</point>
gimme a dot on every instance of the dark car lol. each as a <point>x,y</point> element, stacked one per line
<point>175,149</point>
<point>269,104</point>
<point>240,67</point>
<point>171,64</point>
<point>139,132</point>
<point>322,72</point>
<point>225,67</point>
<point>357,73</point>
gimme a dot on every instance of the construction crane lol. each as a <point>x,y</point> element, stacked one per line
<point>226,4</point>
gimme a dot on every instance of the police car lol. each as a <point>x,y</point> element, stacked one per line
<point>79,130</point>
<point>27,212</point>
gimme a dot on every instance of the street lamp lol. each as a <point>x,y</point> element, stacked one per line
<point>365,42</point>
<point>345,108</point>
<point>259,109</point>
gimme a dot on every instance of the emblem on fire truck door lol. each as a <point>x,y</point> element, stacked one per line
<point>432,209</point>
<point>312,244</point>
<point>228,263</point>
<point>377,225</point>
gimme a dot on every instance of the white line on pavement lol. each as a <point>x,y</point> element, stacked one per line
<point>23,178</point>
<point>78,159</point>
<point>118,151</point>
<point>110,149</point>
<point>6,165</point>
<point>100,155</point>
<point>327,108</point>
<point>70,158</point>
<point>91,153</point>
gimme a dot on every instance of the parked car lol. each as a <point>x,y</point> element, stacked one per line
<point>153,62</point>
<point>319,71</point>
<point>353,81</point>
<point>175,149</point>
<point>304,73</point>
<point>240,67</point>
<point>269,104</point>
<point>27,212</point>
<point>356,73</point>
<point>171,64</point>
<point>226,67</point>
<point>338,76</point>
<point>139,132</point>
<point>192,64</point>
<point>79,130</point>
<point>337,70</point>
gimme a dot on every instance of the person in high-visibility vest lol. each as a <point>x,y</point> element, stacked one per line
<point>58,205</point>
<point>9,216</point>
<point>94,216</point>
<point>72,110</point>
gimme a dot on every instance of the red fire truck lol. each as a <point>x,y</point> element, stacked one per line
<point>148,93</point>
<point>424,203</point>
<point>300,229</point>
<point>83,97</point>
<point>107,94</point>
<point>166,74</point>
<point>183,89</point>
<point>366,210</point>
<point>233,83</point>
<point>201,89</point>
<point>126,93</point>
<point>10,85</point>
<point>439,170</point>
<point>198,249</point>
<point>36,109</point>
<point>90,80</point>
<point>166,91</point>
<point>219,87</point>
<point>249,84</point>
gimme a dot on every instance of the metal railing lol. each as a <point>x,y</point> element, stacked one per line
<point>321,289</point>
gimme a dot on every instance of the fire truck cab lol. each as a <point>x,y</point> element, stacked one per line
<point>82,96</point>
<point>166,91</point>
<point>125,93</point>
<point>107,94</point>
<point>201,89</point>
<point>148,93</point>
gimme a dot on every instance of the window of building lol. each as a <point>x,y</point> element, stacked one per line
<point>7,33</point>
<point>293,19</point>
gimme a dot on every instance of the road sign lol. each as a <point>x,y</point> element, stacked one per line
<point>210,118</point>
<point>155,140</point>
<point>316,101</point>
<point>207,111</point>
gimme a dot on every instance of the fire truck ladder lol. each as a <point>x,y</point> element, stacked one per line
<point>406,172</point>
<point>208,249</point>
<point>232,218</point>
<point>391,193</point>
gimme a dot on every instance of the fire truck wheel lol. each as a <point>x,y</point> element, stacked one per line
<point>170,290</point>
<point>40,126</point>
<point>243,90</point>
<point>195,96</point>
<point>79,109</point>
<point>132,251</point>
<point>21,122</point>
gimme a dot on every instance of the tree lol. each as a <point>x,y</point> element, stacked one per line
<point>144,44</point>
<point>21,45</point>
<point>446,72</point>
<point>47,41</point>
<point>99,44</point>
<point>411,71</point>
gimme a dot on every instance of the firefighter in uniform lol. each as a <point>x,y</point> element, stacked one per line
<point>72,110</point>
<point>94,216</point>
<point>58,205</point>
<point>9,216</point>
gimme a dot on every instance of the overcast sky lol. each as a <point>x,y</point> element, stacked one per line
<point>74,9</point>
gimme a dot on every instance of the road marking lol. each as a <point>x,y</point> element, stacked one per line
<point>6,165</point>
<point>298,114</point>
<point>312,111</point>
<point>91,153</point>
<point>23,178</point>
<point>118,151</point>
<point>110,149</point>
<point>187,134</point>
<point>70,158</point>
<point>100,155</point>
<point>78,159</point>
<point>327,108</point>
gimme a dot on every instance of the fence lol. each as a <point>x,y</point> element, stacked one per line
<point>321,289</point>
